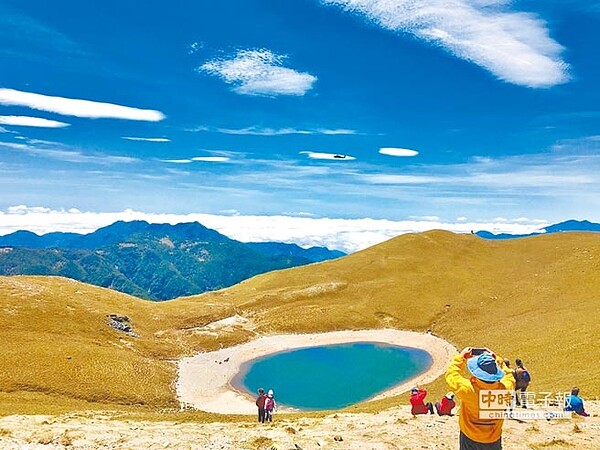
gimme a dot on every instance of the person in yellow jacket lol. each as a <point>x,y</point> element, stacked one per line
<point>488,372</point>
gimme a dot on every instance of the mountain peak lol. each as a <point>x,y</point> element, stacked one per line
<point>567,225</point>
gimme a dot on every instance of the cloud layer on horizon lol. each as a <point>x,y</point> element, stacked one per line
<point>348,235</point>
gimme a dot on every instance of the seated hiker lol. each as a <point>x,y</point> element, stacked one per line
<point>270,406</point>
<point>574,403</point>
<point>444,407</point>
<point>260,403</point>
<point>418,406</point>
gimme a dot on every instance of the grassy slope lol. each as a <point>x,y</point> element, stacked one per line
<point>533,298</point>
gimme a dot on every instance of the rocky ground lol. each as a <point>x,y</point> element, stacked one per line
<point>388,430</point>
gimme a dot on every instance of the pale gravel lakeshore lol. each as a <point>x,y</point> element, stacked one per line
<point>204,380</point>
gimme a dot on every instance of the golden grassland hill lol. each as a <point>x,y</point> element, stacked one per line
<point>533,298</point>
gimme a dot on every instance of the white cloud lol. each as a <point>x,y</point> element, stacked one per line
<point>198,159</point>
<point>76,107</point>
<point>195,47</point>
<point>571,165</point>
<point>426,218</point>
<point>230,212</point>
<point>335,132</point>
<point>211,158</point>
<point>26,121</point>
<point>160,139</point>
<point>258,131</point>
<point>177,161</point>
<point>532,178</point>
<point>348,235</point>
<point>260,72</point>
<point>23,209</point>
<point>536,177</point>
<point>197,129</point>
<point>61,152</point>
<point>515,46</point>
<point>332,156</point>
<point>392,151</point>
<point>402,179</point>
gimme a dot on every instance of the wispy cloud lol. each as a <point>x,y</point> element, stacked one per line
<point>76,107</point>
<point>177,161</point>
<point>4,130</point>
<point>158,139</point>
<point>571,164</point>
<point>61,152</point>
<point>259,131</point>
<point>348,235</point>
<point>35,39</point>
<point>331,156</point>
<point>515,46</point>
<point>383,178</point>
<point>195,47</point>
<point>260,72</point>
<point>392,151</point>
<point>26,121</point>
<point>197,159</point>
<point>427,218</point>
<point>211,158</point>
<point>334,132</point>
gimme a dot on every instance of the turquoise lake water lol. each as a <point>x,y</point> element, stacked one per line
<point>332,376</point>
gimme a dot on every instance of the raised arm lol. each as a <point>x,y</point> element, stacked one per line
<point>456,381</point>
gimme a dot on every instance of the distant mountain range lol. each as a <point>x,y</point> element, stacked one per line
<point>314,254</point>
<point>152,261</point>
<point>569,225</point>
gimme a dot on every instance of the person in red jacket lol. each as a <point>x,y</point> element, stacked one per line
<point>418,406</point>
<point>260,403</point>
<point>444,407</point>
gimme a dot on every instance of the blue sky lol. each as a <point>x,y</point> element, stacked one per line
<point>448,113</point>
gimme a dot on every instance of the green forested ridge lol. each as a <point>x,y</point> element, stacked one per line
<point>152,261</point>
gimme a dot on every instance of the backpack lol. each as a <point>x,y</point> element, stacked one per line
<point>525,376</point>
<point>269,403</point>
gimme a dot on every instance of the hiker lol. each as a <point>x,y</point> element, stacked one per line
<point>444,407</point>
<point>417,395</point>
<point>487,372</point>
<point>523,378</point>
<point>574,403</point>
<point>270,405</point>
<point>260,403</point>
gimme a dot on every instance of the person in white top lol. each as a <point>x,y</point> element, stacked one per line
<point>270,406</point>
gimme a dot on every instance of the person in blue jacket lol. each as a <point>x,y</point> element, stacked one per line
<point>574,403</point>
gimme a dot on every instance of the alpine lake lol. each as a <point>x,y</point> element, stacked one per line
<point>332,376</point>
